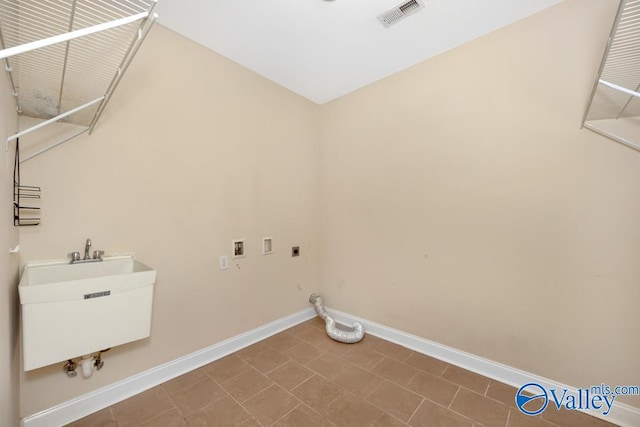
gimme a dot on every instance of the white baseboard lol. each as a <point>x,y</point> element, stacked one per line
<point>102,398</point>
<point>621,414</point>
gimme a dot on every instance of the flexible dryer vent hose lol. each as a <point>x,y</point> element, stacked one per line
<point>353,336</point>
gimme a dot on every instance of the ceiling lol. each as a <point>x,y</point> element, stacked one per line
<point>325,49</point>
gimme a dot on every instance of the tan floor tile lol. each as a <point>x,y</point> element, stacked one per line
<point>351,411</point>
<point>290,375</point>
<point>312,335</point>
<point>430,414</point>
<point>225,368</point>
<point>183,381</point>
<point>142,407</point>
<point>480,408</point>
<point>304,352</point>
<point>358,381</point>
<point>173,418</point>
<point>387,420</point>
<point>502,392</point>
<point>246,385</point>
<point>266,360</point>
<point>370,383</point>
<point>102,418</point>
<point>395,400</point>
<point>394,351</point>
<point>427,363</point>
<point>335,348</point>
<point>567,418</point>
<point>253,349</point>
<point>369,341</point>
<point>466,378</point>
<point>318,393</point>
<point>302,328</point>
<point>197,396</point>
<point>251,422</point>
<point>433,388</point>
<point>302,416</point>
<point>518,419</point>
<point>316,322</point>
<point>329,366</point>
<point>282,341</point>
<point>363,357</point>
<point>398,372</point>
<point>271,404</point>
<point>223,412</point>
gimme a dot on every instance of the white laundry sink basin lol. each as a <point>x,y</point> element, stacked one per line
<point>71,310</point>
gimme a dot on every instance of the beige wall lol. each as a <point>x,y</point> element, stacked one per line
<point>9,347</point>
<point>192,152</point>
<point>462,203</point>
<point>458,201</point>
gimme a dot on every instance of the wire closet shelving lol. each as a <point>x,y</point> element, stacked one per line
<point>614,108</point>
<point>65,58</point>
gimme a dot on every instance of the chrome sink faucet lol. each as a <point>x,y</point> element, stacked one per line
<point>87,247</point>
<point>75,256</point>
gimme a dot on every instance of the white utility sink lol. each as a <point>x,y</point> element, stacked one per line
<point>72,310</point>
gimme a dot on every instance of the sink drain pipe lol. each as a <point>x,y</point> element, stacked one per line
<point>87,363</point>
<point>353,335</point>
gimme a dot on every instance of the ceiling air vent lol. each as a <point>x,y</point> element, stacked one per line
<point>400,12</point>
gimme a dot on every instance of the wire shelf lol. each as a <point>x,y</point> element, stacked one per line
<point>614,107</point>
<point>56,78</point>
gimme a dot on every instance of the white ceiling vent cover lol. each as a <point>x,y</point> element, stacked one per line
<point>400,12</point>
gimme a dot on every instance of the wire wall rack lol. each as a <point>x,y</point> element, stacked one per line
<point>23,215</point>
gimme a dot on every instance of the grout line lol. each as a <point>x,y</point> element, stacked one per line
<point>312,409</point>
<point>415,410</point>
<point>279,366</point>
<point>374,366</point>
<point>284,415</point>
<point>509,405</point>
<point>171,400</point>
<point>411,379</point>
<point>454,411</point>
<point>291,392</point>
<point>379,416</point>
<point>254,394</point>
<point>508,417</point>
<point>454,396</point>
<point>248,366</point>
<point>487,389</point>
<point>382,380</point>
<point>445,370</point>
<point>395,418</point>
<point>240,405</point>
<point>345,394</point>
<point>156,415</point>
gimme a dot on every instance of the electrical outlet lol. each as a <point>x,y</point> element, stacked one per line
<point>295,251</point>
<point>267,245</point>
<point>224,262</point>
<point>238,248</point>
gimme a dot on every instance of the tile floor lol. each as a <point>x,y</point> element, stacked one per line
<point>302,378</point>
